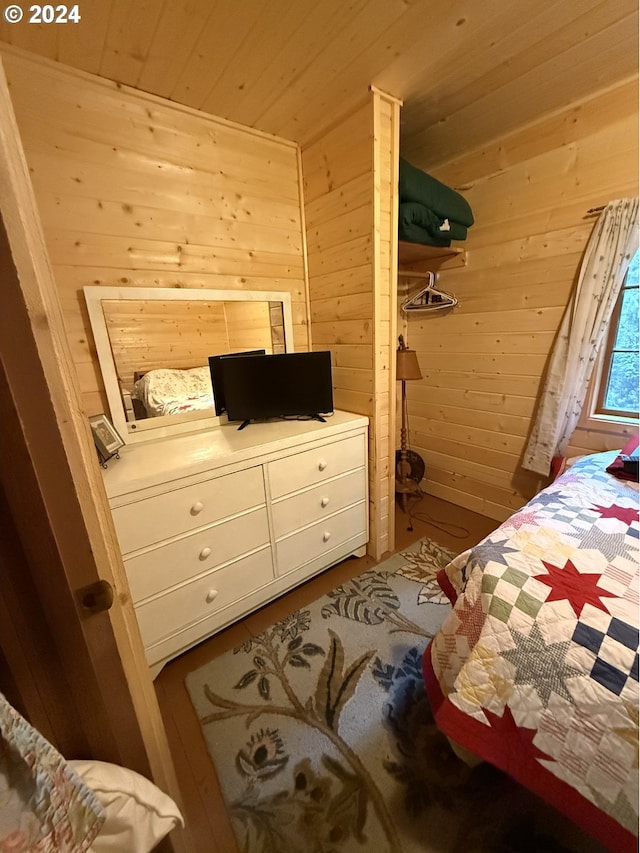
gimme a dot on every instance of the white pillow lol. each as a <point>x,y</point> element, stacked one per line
<point>139,814</point>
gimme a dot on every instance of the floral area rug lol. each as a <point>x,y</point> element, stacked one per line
<point>324,742</point>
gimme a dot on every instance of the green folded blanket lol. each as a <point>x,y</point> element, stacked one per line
<point>415,185</point>
<point>411,213</point>
<point>416,234</point>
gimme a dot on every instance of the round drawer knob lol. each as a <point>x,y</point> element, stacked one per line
<point>206,552</point>
<point>324,502</point>
<point>211,595</point>
<point>322,465</point>
<point>197,507</point>
<point>326,536</point>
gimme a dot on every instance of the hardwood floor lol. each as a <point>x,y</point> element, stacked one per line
<point>208,829</point>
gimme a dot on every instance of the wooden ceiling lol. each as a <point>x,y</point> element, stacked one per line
<point>467,71</point>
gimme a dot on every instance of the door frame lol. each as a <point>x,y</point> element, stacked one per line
<point>56,496</point>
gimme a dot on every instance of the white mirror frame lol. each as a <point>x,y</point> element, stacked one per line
<point>170,424</point>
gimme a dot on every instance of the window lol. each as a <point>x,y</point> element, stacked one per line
<point>620,374</point>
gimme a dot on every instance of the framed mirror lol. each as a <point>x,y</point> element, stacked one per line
<point>153,346</point>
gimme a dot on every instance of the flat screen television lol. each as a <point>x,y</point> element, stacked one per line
<point>278,386</point>
<point>217,382</point>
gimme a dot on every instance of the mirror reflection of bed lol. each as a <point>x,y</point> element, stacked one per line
<point>153,345</point>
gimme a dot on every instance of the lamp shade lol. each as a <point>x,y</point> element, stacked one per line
<point>407,366</point>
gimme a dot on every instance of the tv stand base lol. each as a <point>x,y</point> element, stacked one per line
<point>307,417</point>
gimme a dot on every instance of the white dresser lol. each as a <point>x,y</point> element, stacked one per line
<point>214,524</point>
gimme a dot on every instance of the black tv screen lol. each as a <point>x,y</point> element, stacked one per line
<point>272,386</point>
<point>217,383</point>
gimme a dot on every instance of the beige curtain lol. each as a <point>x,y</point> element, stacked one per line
<point>583,328</point>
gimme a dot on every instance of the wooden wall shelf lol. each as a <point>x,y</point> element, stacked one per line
<point>414,253</point>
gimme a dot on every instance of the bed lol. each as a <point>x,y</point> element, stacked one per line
<point>535,670</point>
<point>166,391</point>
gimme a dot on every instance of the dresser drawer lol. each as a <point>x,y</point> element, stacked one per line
<point>313,466</point>
<point>167,565</point>
<point>169,613</point>
<point>147,521</point>
<point>316,503</point>
<point>305,545</point>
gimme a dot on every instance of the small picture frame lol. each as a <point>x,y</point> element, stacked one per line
<point>105,437</point>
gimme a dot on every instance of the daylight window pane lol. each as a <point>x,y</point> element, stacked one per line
<point>622,390</point>
<point>627,337</point>
<point>633,273</point>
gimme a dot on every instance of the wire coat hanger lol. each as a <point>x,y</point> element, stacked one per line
<point>429,298</point>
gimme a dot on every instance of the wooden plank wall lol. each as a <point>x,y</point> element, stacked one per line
<point>248,326</point>
<point>347,185</point>
<point>386,118</point>
<point>147,334</point>
<point>482,364</point>
<point>134,190</point>
<point>338,203</point>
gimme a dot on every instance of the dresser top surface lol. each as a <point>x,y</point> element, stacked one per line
<point>155,462</point>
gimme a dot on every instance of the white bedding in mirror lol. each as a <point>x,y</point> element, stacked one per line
<point>171,392</point>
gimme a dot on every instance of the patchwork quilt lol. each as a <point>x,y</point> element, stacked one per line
<point>536,668</point>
